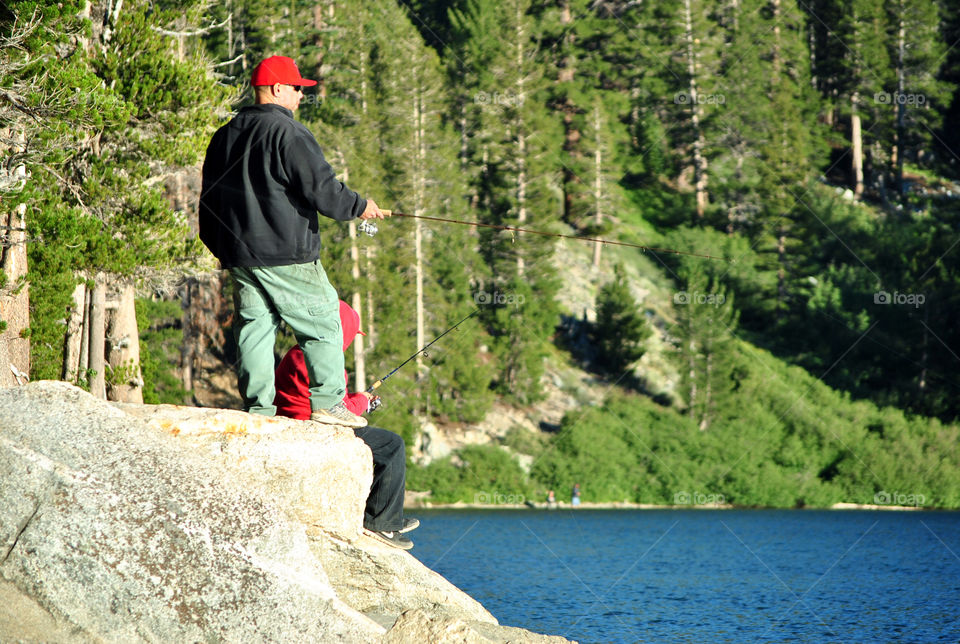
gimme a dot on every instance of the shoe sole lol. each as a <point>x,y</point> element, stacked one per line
<point>343,422</point>
<point>411,527</point>
<point>393,544</point>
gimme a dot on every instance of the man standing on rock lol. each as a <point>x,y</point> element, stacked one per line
<point>264,181</point>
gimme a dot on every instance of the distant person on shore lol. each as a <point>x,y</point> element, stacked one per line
<point>551,499</point>
<point>383,515</point>
<point>264,181</point>
<point>575,495</point>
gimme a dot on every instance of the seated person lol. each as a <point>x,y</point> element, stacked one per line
<point>383,515</point>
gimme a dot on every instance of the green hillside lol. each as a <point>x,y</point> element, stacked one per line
<point>785,440</point>
<point>780,328</point>
<point>777,435</point>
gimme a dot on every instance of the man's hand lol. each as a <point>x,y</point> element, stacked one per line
<point>373,401</point>
<point>372,211</point>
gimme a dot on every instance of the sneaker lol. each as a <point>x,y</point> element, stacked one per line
<point>338,415</point>
<point>409,524</point>
<point>394,538</point>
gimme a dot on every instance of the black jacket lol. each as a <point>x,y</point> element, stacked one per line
<point>264,180</point>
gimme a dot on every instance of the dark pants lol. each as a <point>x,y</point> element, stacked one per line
<point>384,510</point>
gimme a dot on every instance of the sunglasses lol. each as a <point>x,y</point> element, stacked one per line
<point>297,88</point>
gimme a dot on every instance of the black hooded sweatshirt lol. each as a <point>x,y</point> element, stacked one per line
<point>264,180</point>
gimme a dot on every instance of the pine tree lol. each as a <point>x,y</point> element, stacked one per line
<point>563,30</point>
<point>787,147</point>
<point>857,75</point>
<point>706,321</point>
<point>510,138</point>
<point>948,135</point>
<point>593,110</point>
<point>621,329</point>
<point>102,159</point>
<point>917,53</point>
<point>695,55</point>
<point>382,122</point>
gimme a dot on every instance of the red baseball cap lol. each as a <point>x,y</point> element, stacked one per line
<point>278,69</point>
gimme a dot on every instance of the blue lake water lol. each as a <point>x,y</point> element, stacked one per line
<point>705,575</point>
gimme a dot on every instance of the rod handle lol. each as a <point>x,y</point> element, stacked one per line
<point>375,385</point>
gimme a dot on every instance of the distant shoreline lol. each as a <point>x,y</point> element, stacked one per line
<point>622,505</point>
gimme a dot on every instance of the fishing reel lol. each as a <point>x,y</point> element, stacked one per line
<point>375,404</point>
<point>367,226</point>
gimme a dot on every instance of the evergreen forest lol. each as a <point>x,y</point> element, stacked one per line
<point>773,327</point>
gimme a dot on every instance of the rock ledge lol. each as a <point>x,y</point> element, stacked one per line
<point>154,523</point>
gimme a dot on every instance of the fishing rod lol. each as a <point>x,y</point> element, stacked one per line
<point>671,251</point>
<point>377,384</point>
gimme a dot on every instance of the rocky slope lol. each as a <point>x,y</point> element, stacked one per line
<point>159,523</point>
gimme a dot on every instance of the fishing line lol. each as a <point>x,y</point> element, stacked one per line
<point>546,234</point>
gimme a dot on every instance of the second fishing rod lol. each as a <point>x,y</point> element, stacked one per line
<point>375,403</point>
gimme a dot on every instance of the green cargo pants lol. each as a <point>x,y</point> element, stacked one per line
<point>302,296</point>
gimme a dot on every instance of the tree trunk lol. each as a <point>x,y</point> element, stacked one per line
<point>188,344</point>
<point>856,142</point>
<point>898,152</point>
<point>97,344</point>
<point>781,272</point>
<point>521,138</point>
<point>419,189</point>
<point>566,73</point>
<point>14,299</point>
<point>464,139</point>
<point>571,136</point>
<point>776,62</point>
<point>126,382</point>
<point>705,416</point>
<point>699,160</point>
<point>319,25</point>
<point>359,362</point>
<point>73,337</point>
<point>692,374</point>
<point>924,353</point>
<point>371,336</point>
<point>84,364</point>
<point>421,336</point>
<point>521,194</point>
<point>812,46</point>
